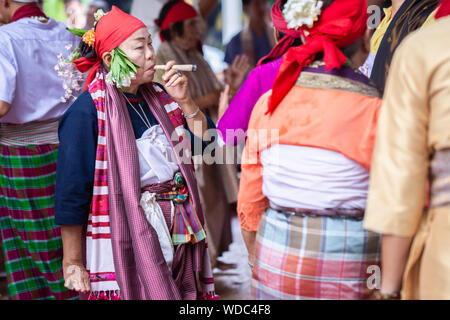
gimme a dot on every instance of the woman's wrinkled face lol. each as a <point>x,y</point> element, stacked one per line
<point>138,47</point>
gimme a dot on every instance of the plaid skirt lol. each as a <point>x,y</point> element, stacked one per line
<point>310,257</point>
<point>31,242</point>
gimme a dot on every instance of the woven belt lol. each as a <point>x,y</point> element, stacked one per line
<point>357,214</point>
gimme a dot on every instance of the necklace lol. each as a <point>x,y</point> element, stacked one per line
<point>146,121</point>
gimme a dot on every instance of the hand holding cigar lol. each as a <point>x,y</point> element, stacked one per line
<point>179,67</point>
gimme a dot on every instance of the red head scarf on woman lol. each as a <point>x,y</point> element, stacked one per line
<point>179,12</point>
<point>444,9</point>
<point>112,29</point>
<point>339,25</point>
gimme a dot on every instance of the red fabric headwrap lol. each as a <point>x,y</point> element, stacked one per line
<point>113,29</point>
<point>339,25</point>
<point>444,9</point>
<point>179,12</point>
<point>26,11</point>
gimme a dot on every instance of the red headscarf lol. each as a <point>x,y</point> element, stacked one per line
<point>179,12</point>
<point>113,29</point>
<point>27,11</point>
<point>339,25</point>
<point>444,9</point>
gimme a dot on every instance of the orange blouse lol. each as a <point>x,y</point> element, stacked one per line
<point>343,119</point>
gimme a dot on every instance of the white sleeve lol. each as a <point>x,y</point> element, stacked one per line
<point>8,74</point>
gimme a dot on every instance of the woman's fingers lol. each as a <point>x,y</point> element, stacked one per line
<point>68,284</point>
<point>224,100</point>
<point>76,284</point>
<point>226,91</point>
<point>87,283</point>
<point>170,64</point>
<point>243,63</point>
<point>177,82</point>
<point>76,278</point>
<point>235,63</point>
<point>172,80</point>
<point>168,75</point>
<point>240,60</point>
<point>169,71</point>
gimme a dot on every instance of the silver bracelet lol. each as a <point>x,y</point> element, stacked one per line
<point>192,115</point>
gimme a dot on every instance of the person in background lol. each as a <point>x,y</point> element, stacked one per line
<point>256,40</point>
<point>401,18</point>
<point>30,107</point>
<point>92,9</point>
<point>75,11</point>
<point>306,163</point>
<point>148,11</point>
<point>411,168</point>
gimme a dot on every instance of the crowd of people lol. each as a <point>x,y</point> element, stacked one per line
<point>121,166</point>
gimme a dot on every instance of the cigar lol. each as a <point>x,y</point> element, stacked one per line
<point>179,67</point>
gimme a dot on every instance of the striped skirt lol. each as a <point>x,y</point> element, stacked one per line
<point>31,242</point>
<point>306,257</point>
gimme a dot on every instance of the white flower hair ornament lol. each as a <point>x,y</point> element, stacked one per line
<point>72,79</point>
<point>99,14</point>
<point>298,13</point>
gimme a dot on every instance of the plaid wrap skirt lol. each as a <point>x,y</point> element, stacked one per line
<point>31,241</point>
<point>311,257</point>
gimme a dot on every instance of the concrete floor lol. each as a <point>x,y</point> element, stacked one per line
<point>234,283</point>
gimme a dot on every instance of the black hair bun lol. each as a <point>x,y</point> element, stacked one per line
<point>86,50</point>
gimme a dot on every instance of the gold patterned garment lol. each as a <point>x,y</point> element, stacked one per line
<point>411,156</point>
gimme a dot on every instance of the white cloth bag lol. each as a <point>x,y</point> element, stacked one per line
<point>156,218</point>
